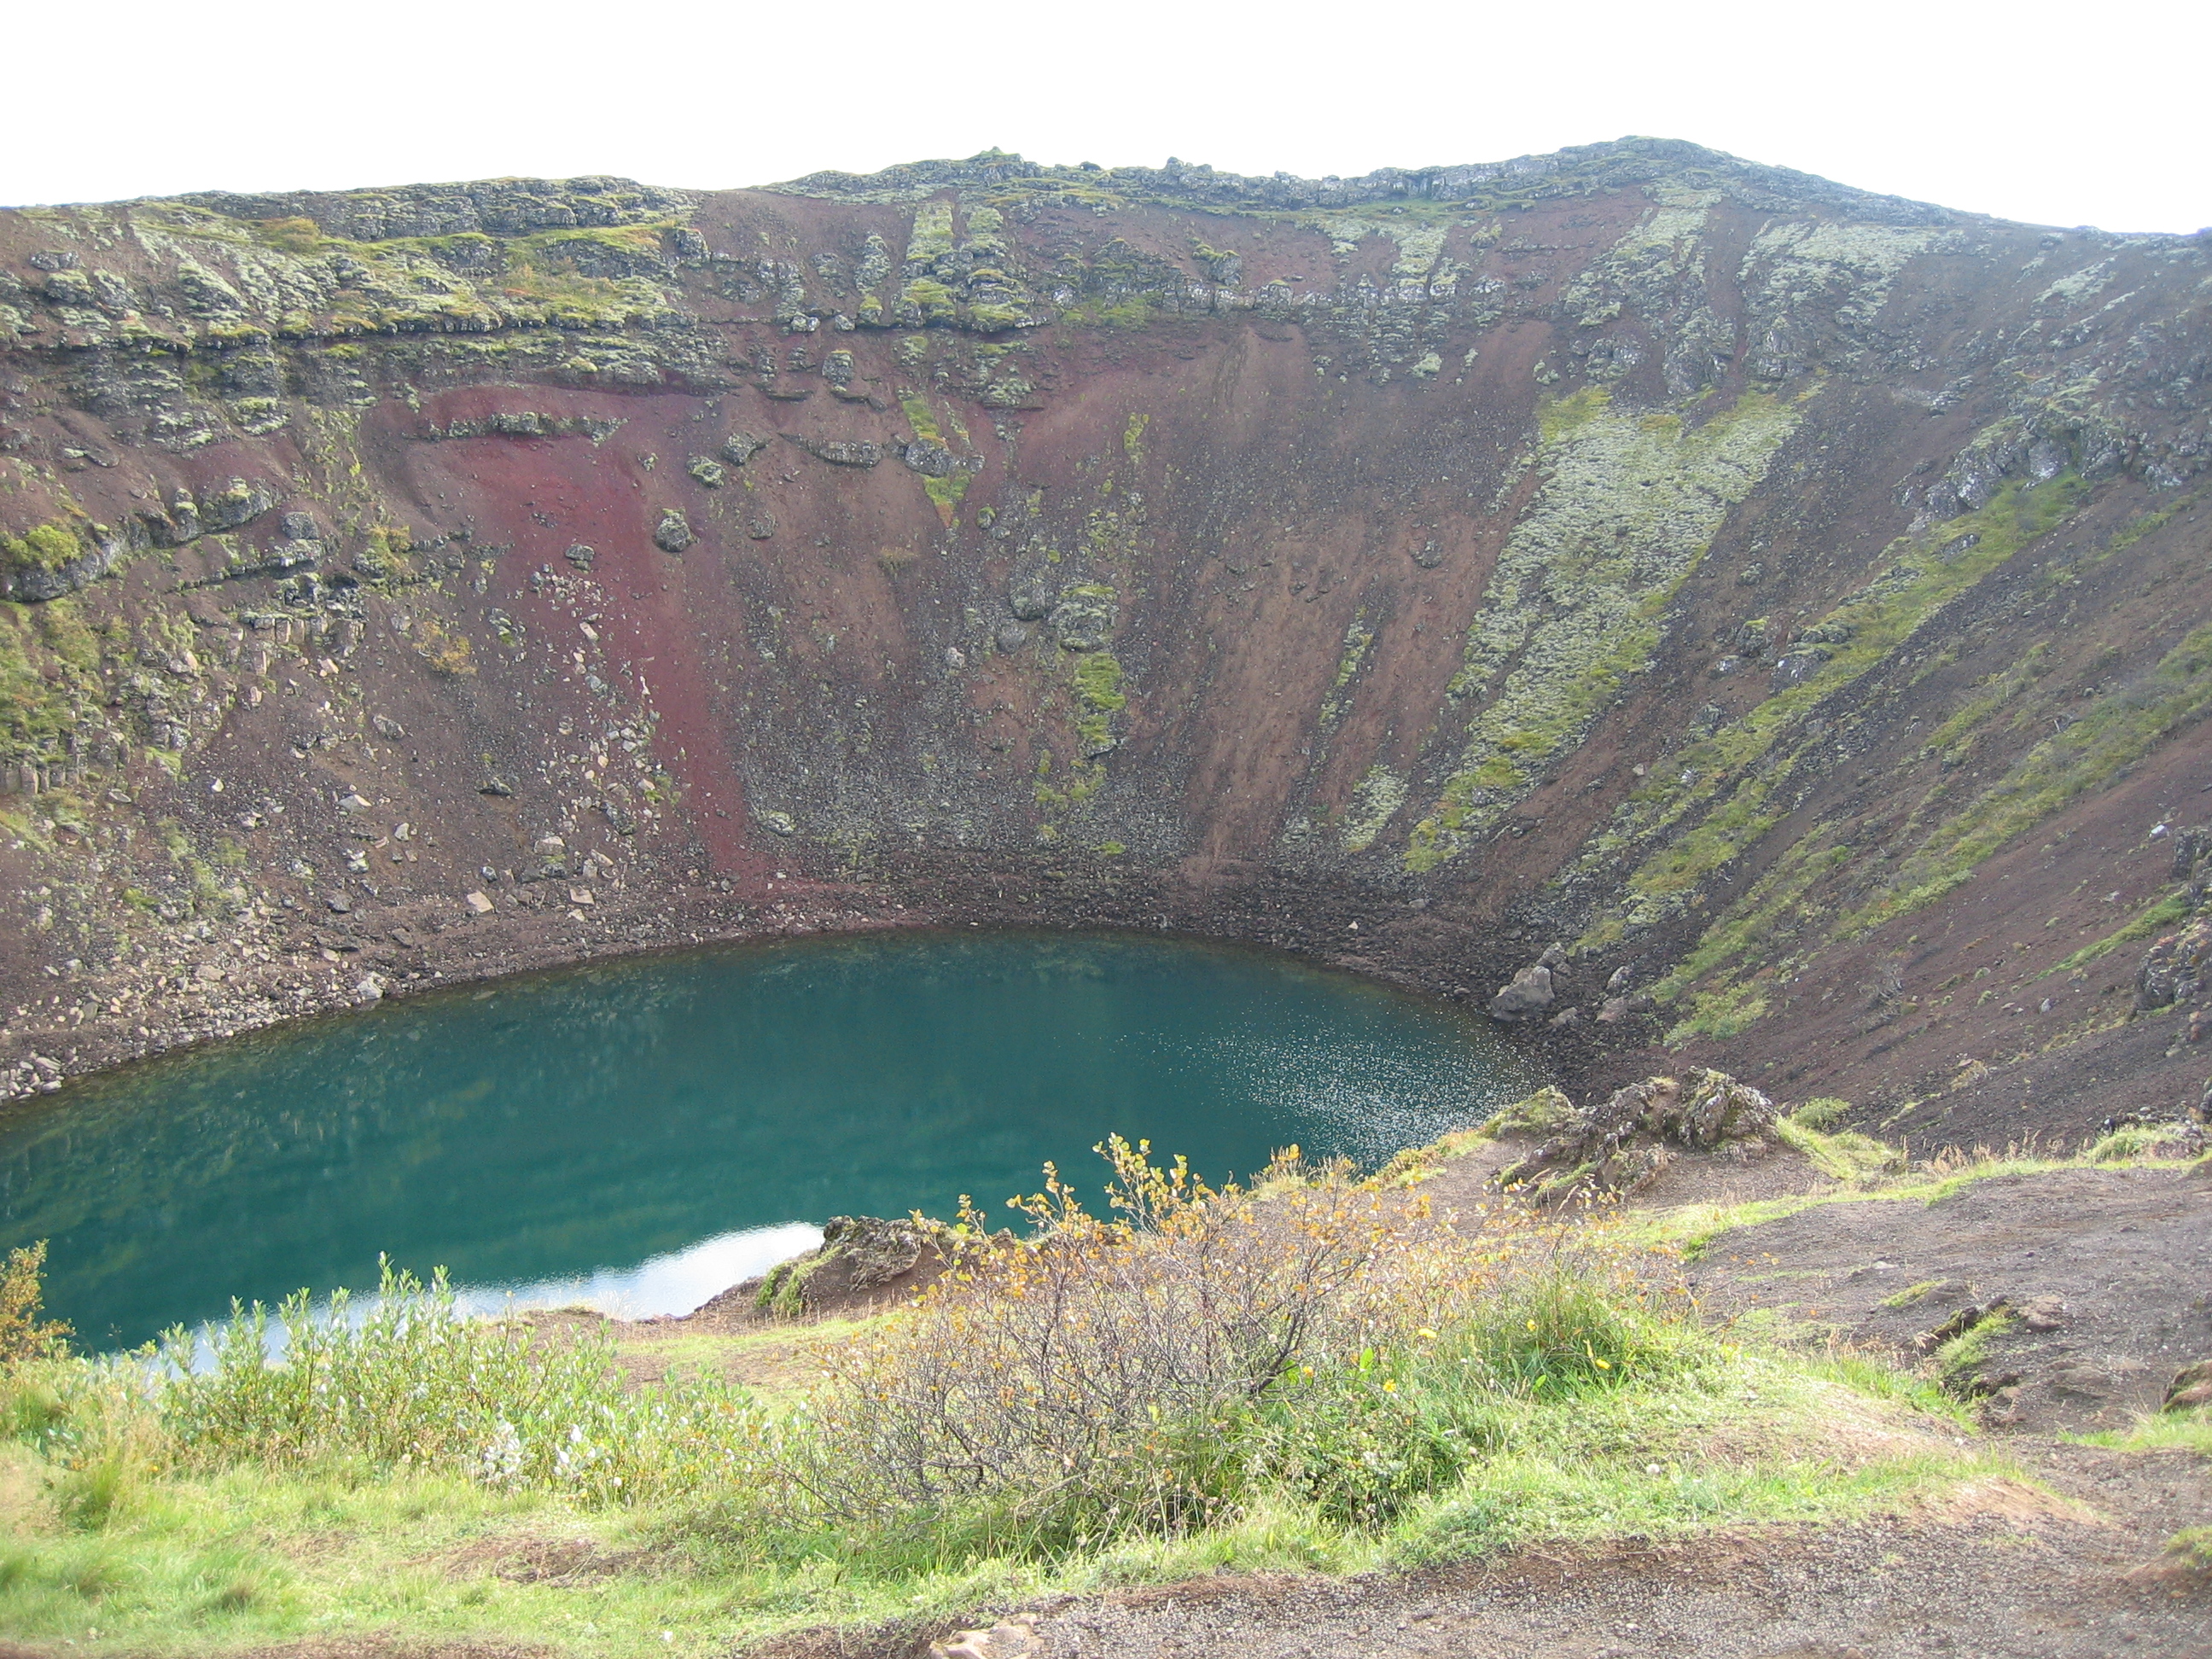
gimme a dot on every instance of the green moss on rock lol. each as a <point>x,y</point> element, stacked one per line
<point>1575,608</point>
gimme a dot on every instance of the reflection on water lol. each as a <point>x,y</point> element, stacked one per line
<point>642,1134</point>
<point>672,1284</point>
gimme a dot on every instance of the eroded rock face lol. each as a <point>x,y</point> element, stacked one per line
<point>1620,548</point>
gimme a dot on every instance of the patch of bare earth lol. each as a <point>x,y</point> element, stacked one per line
<point>2015,1581</point>
<point>2101,1280</point>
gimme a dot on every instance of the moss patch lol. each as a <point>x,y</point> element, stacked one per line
<point>1575,608</point>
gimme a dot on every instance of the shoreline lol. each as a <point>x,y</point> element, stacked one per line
<point>410,948</point>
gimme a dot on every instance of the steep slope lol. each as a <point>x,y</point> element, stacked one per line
<point>1786,601</point>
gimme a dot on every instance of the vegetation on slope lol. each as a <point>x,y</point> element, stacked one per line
<point>1315,1373</point>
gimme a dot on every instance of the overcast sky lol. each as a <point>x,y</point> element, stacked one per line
<point>2091,115</point>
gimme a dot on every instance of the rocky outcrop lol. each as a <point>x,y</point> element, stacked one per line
<point>861,1259</point>
<point>1621,1143</point>
<point>2176,968</point>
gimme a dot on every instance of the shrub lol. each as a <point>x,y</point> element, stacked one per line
<point>23,1333</point>
<point>411,1386</point>
<point>1822,1113</point>
<point>1157,1373</point>
<point>1093,1365</point>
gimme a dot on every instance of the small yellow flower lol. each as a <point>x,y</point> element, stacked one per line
<point>1390,1387</point>
<point>1426,1332</point>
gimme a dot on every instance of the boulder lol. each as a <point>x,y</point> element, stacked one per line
<point>673,534</point>
<point>1528,995</point>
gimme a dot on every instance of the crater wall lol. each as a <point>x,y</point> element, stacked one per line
<point>1766,619</point>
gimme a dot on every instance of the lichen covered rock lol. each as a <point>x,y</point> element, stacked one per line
<point>1621,1143</point>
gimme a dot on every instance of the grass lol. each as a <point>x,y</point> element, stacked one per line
<point>1690,1228</point>
<point>2134,1142</point>
<point>1841,1154</point>
<point>1442,1396</point>
<point>2191,1547</point>
<point>1912,1294</point>
<point>207,1563</point>
<point>2154,918</point>
<point>2160,1432</point>
<point>1958,1360</point>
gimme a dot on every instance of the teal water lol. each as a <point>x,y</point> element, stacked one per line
<point>641,1134</point>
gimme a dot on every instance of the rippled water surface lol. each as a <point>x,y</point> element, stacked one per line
<point>638,1135</point>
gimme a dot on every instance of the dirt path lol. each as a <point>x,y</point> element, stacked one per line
<point>2018,1578</point>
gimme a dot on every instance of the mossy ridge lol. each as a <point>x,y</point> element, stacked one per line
<point>1630,504</point>
<point>2144,524</point>
<point>2153,918</point>
<point>1648,265</point>
<point>1099,697</point>
<point>47,546</point>
<point>1902,599</point>
<point>950,281</point>
<point>1952,741</point>
<point>1805,258</point>
<point>287,273</point>
<point>1377,799</point>
<point>1359,639</point>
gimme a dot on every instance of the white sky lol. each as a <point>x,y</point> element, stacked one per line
<point>2087,115</point>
